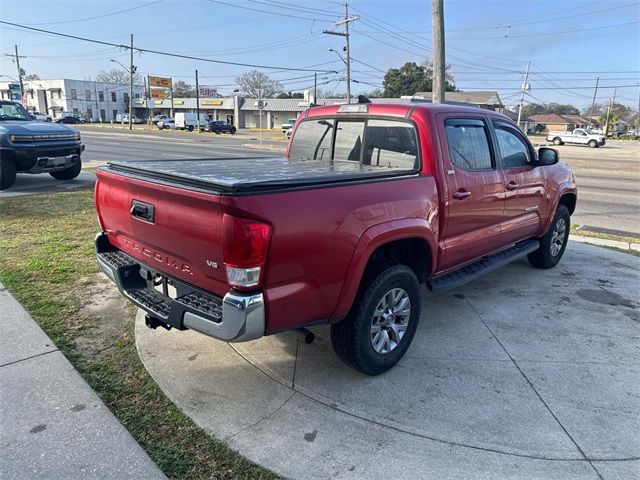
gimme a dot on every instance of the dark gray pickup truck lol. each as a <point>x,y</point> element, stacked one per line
<point>27,146</point>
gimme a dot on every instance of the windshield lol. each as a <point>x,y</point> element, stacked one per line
<point>13,111</point>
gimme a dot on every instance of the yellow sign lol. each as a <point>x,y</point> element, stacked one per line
<point>178,102</point>
<point>158,93</point>
<point>211,102</point>
<point>163,82</point>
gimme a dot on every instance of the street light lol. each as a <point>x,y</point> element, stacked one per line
<point>130,71</point>
<point>339,56</point>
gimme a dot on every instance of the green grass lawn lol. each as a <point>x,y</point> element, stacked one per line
<point>47,262</point>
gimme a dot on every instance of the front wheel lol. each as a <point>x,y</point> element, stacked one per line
<point>382,322</point>
<point>593,143</point>
<point>190,128</point>
<point>7,173</point>
<point>68,173</point>
<point>554,242</point>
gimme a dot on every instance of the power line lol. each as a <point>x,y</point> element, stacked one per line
<point>98,16</point>
<point>244,7</point>
<point>547,34</point>
<point>158,52</point>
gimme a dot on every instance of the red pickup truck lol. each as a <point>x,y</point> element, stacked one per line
<point>369,202</point>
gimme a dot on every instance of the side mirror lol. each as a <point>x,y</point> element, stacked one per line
<point>547,156</point>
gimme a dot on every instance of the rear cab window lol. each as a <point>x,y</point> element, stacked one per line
<point>378,142</point>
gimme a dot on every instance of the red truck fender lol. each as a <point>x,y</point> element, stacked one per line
<point>375,237</point>
<point>566,188</point>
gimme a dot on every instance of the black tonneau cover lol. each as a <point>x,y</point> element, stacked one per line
<point>255,173</point>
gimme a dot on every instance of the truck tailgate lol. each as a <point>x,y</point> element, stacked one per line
<point>181,235</point>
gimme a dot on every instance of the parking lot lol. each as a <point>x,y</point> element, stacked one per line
<point>521,374</point>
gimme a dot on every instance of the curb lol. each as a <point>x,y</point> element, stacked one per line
<point>603,242</point>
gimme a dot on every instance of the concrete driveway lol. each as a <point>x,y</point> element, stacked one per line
<point>27,184</point>
<point>522,374</point>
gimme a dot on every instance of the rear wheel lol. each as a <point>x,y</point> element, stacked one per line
<point>557,141</point>
<point>593,143</point>
<point>381,325</point>
<point>216,131</point>
<point>190,128</point>
<point>68,173</point>
<point>554,242</point>
<point>7,173</point>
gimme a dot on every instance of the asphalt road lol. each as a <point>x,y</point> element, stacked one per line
<point>608,180</point>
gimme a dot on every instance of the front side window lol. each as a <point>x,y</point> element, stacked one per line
<point>514,152</point>
<point>468,144</point>
<point>312,140</point>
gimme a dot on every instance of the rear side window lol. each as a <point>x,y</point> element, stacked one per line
<point>312,140</point>
<point>468,143</point>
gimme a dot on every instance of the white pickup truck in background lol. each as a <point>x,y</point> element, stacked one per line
<point>579,136</point>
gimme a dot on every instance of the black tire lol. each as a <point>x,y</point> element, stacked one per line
<point>593,144</point>
<point>233,130</point>
<point>68,173</point>
<point>190,128</point>
<point>7,173</point>
<point>48,119</point>
<point>216,131</point>
<point>557,141</point>
<point>351,338</point>
<point>548,255</point>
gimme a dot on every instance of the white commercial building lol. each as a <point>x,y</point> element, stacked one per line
<point>94,101</point>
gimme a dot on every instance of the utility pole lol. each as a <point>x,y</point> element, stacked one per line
<point>197,102</point>
<point>16,58</point>
<point>593,103</point>
<point>611,101</point>
<point>315,89</point>
<point>260,107</point>
<point>131,85</point>
<point>523,90</point>
<point>437,27</point>
<point>346,21</point>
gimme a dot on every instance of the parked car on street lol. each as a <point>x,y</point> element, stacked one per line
<point>158,118</point>
<point>124,118</point>
<point>40,117</point>
<point>369,202</point>
<point>288,125</point>
<point>69,118</point>
<point>27,146</point>
<point>218,126</point>
<point>579,136</point>
<point>168,124</point>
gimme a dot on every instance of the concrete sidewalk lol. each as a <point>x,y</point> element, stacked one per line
<point>52,424</point>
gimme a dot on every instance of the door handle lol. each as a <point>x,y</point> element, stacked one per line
<point>511,185</point>
<point>461,194</point>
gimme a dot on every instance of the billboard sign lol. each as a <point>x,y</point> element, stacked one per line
<point>207,92</point>
<point>162,82</point>
<point>158,93</point>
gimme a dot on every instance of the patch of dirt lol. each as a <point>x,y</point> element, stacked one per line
<point>107,312</point>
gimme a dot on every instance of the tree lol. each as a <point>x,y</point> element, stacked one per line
<point>182,89</point>
<point>376,93</point>
<point>252,82</point>
<point>547,108</point>
<point>595,111</point>
<point>290,95</point>
<point>116,75</point>
<point>31,76</point>
<point>412,78</point>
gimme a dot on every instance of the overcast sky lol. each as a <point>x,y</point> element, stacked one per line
<point>489,42</point>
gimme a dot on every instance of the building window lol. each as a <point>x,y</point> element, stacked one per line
<point>125,97</point>
<point>74,94</point>
<point>115,113</point>
<point>113,97</point>
<point>103,114</point>
<point>136,95</point>
<point>59,94</point>
<point>87,94</point>
<point>101,96</point>
<point>31,94</point>
<point>90,113</point>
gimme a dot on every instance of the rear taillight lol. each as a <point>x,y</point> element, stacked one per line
<point>245,248</point>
